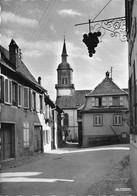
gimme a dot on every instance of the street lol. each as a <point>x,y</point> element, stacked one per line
<point>66,172</point>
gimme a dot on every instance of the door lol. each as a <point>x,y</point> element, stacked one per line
<point>38,139</point>
<point>7,138</point>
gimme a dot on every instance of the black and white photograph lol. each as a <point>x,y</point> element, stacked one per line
<point>68,98</point>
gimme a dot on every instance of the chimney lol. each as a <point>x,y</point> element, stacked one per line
<point>107,74</point>
<point>39,80</point>
<point>13,53</point>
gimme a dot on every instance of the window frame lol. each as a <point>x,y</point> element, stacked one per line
<point>26,140</point>
<point>117,120</point>
<point>98,120</point>
<point>8,91</point>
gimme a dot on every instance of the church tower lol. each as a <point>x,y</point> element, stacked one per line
<point>64,86</point>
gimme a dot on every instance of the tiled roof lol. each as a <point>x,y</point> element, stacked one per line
<point>20,67</point>
<point>107,87</point>
<point>75,101</point>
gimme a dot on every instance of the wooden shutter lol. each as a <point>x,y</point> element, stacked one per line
<point>93,101</point>
<point>37,102</point>
<point>1,89</point>
<point>47,111</point>
<point>96,102</point>
<point>110,101</point>
<point>19,95</point>
<point>6,91</point>
<point>121,101</point>
<point>104,101</point>
<point>26,97</point>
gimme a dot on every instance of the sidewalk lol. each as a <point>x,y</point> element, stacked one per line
<point>116,183</point>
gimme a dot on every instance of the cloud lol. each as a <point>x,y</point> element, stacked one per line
<point>52,28</point>
<point>69,12</point>
<point>10,17</point>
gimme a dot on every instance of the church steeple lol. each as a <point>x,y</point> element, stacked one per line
<point>64,84</point>
<point>64,52</point>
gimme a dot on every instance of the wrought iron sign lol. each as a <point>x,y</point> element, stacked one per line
<point>116,27</point>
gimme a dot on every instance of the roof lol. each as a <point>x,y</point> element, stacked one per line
<point>74,101</point>
<point>64,65</point>
<point>21,69</point>
<point>107,87</point>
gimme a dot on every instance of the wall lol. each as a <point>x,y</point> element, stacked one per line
<point>90,131</point>
<point>18,116</point>
<point>133,163</point>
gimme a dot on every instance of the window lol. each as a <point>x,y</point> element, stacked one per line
<point>98,120</point>
<point>26,97</point>
<point>25,134</point>
<point>116,101</point>
<point>117,119</point>
<point>98,101</point>
<point>64,80</point>
<point>8,91</point>
<point>19,95</point>
<point>14,93</point>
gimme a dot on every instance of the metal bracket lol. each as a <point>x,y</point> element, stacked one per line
<point>116,27</point>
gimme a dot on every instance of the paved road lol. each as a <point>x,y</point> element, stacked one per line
<point>66,172</point>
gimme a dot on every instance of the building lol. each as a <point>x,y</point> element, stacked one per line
<point>27,121</point>
<point>68,98</point>
<point>105,115</point>
<point>131,28</point>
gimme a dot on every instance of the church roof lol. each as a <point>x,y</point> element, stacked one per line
<point>64,51</point>
<point>75,101</point>
<point>107,87</point>
<point>64,64</point>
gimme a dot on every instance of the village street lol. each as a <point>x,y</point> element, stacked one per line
<point>71,172</point>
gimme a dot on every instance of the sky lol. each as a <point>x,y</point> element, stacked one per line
<point>39,26</point>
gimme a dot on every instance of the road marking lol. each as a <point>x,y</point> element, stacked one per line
<point>58,151</point>
<point>23,179</point>
<point>17,174</point>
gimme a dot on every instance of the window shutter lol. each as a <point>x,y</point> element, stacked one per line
<point>6,91</point>
<point>10,91</point>
<point>47,111</point>
<point>19,95</point>
<point>1,89</point>
<point>96,101</point>
<point>37,102</point>
<point>110,101</point>
<point>121,101</point>
<point>30,100</point>
<point>103,101</point>
<point>93,101</point>
<point>26,97</point>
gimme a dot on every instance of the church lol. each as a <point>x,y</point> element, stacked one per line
<point>68,99</point>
